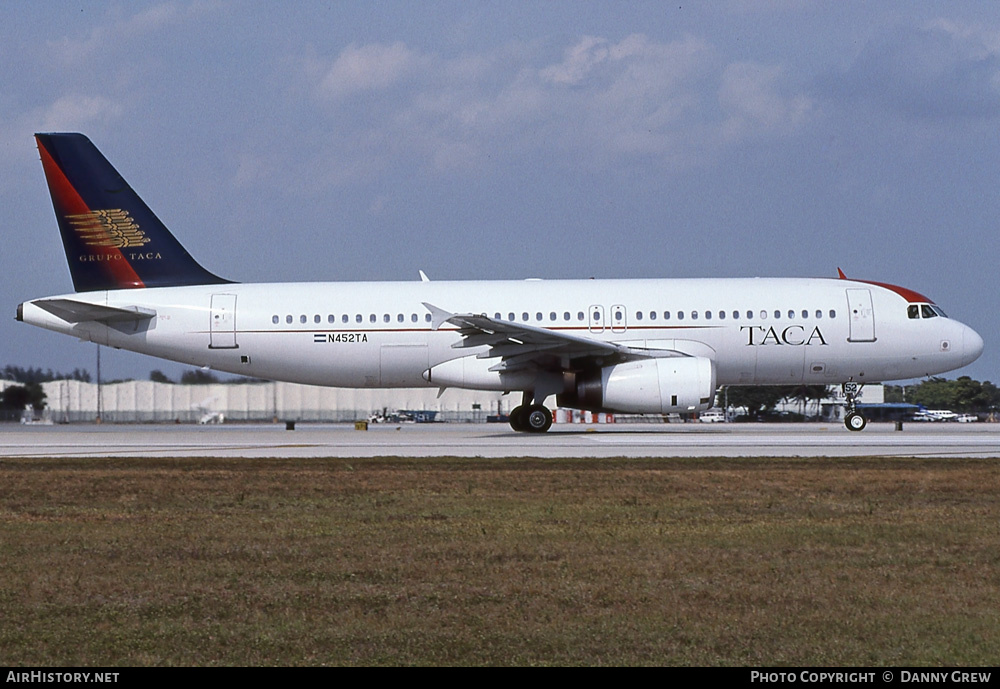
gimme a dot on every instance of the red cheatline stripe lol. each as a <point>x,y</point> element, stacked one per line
<point>907,294</point>
<point>69,202</point>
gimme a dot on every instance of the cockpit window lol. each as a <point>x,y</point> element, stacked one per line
<point>924,311</point>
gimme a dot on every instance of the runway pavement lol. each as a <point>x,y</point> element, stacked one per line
<point>488,440</point>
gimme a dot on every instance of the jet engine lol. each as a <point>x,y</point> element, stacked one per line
<point>648,386</point>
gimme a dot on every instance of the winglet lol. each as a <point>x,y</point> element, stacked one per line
<point>840,274</point>
<point>438,316</point>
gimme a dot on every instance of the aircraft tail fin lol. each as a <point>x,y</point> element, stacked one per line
<point>111,237</point>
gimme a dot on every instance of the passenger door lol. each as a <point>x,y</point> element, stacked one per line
<point>862,315</point>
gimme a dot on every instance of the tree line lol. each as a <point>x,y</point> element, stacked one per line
<point>963,395</point>
<point>19,374</point>
<point>960,395</point>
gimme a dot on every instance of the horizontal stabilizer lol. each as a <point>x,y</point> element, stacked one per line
<point>73,311</point>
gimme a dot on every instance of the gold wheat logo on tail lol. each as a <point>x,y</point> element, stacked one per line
<point>108,228</point>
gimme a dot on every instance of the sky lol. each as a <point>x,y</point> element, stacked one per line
<point>370,140</point>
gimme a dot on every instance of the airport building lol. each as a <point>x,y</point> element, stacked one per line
<point>141,401</point>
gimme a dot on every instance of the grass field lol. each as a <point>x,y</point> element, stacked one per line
<point>502,562</point>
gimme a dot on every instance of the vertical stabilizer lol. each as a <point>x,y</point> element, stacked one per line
<point>112,239</point>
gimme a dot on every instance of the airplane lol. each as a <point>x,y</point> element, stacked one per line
<point>644,346</point>
<point>924,414</point>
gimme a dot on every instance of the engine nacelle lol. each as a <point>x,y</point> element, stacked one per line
<point>649,386</point>
<point>475,374</point>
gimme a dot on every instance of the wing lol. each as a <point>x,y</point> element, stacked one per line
<point>520,346</point>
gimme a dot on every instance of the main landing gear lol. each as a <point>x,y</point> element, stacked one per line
<point>530,418</point>
<point>855,420</point>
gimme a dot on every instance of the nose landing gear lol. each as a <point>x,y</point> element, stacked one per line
<point>855,420</point>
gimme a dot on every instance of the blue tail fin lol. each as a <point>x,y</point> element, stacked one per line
<point>112,239</point>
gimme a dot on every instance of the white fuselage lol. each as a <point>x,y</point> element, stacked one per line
<point>757,331</point>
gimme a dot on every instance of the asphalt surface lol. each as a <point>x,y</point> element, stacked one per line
<point>489,440</point>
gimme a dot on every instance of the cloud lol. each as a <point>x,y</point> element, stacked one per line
<point>71,51</point>
<point>604,103</point>
<point>939,71</point>
<point>71,112</point>
<point>580,60</point>
<point>749,94</point>
<point>76,112</point>
<point>371,67</point>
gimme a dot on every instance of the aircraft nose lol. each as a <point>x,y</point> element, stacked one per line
<point>972,346</point>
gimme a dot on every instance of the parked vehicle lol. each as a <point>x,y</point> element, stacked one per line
<point>712,416</point>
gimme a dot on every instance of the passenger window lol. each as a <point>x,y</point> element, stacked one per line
<point>819,314</point>
<point>510,316</point>
<point>652,315</point>
<point>302,318</point>
<point>399,318</point>
<point>331,318</point>
<point>524,316</point>
<point>708,315</point>
<point>344,318</point>
<point>833,314</point>
<point>805,314</point>
<point>777,314</point>
<point>579,315</point>
<point>496,316</point>
<point>316,318</point>
<point>750,315</point>
<point>357,318</point>
<point>736,315</point>
<point>427,317</point>
<point>638,315</point>
<point>722,315</point>
<point>275,319</point>
<point>680,315</point>
<point>372,318</point>
<point>666,315</point>
<point>413,318</point>
<point>565,315</point>
<point>538,315</point>
<point>791,314</point>
<point>763,315</point>
<point>552,315</point>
